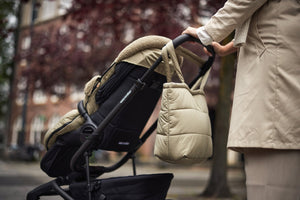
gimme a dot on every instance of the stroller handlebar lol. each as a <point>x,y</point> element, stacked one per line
<point>188,38</point>
<point>206,66</point>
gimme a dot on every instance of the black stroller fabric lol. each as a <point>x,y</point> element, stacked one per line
<point>140,187</point>
<point>56,162</point>
<point>122,133</point>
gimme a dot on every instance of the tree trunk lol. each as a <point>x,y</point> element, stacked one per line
<point>218,185</point>
<point>8,122</point>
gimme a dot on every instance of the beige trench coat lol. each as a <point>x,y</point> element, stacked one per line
<point>266,105</point>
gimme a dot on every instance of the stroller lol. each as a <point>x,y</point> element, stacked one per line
<point>111,117</point>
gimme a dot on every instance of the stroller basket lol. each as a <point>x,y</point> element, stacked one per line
<point>140,187</point>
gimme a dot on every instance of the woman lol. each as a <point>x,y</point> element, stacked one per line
<point>265,121</point>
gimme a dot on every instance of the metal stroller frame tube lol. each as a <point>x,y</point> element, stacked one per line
<point>51,188</point>
<point>96,135</point>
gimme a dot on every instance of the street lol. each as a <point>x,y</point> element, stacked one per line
<point>18,178</point>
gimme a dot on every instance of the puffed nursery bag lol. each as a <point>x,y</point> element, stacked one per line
<point>184,129</point>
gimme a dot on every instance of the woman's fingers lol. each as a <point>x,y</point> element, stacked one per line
<point>191,31</point>
<point>206,52</point>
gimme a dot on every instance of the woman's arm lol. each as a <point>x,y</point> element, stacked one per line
<point>230,16</point>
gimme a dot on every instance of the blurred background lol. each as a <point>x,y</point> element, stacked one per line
<point>49,49</point>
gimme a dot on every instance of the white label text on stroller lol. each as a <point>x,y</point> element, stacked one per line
<point>123,143</point>
<point>127,94</point>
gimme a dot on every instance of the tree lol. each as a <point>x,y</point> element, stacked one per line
<point>7,12</point>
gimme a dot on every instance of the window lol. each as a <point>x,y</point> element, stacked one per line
<point>17,127</point>
<point>21,91</point>
<point>36,129</point>
<point>20,98</point>
<point>54,98</point>
<point>63,6</point>
<point>77,94</point>
<point>60,89</point>
<point>26,43</point>
<point>49,10</point>
<point>39,97</point>
<point>53,120</point>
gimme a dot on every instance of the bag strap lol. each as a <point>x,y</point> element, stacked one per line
<point>168,53</point>
<point>200,83</point>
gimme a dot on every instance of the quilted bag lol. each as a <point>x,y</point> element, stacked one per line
<point>184,129</point>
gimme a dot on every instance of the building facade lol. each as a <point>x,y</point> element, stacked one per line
<point>34,111</point>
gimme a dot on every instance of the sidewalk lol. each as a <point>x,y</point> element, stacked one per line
<point>17,178</point>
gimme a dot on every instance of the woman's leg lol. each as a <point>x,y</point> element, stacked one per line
<point>272,174</point>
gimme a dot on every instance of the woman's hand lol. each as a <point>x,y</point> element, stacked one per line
<point>191,31</point>
<point>221,50</point>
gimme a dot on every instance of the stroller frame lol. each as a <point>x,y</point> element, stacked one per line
<point>54,187</point>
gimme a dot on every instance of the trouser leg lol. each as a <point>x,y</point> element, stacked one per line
<point>272,174</point>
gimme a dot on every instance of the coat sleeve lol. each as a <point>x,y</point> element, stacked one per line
<point>233,14</point>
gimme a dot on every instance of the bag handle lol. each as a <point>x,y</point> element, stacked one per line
<point>200,83</point>
<point>168,50</point>
<point>168,53</point>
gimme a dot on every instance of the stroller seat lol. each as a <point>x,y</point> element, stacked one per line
<point>123,131</point>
